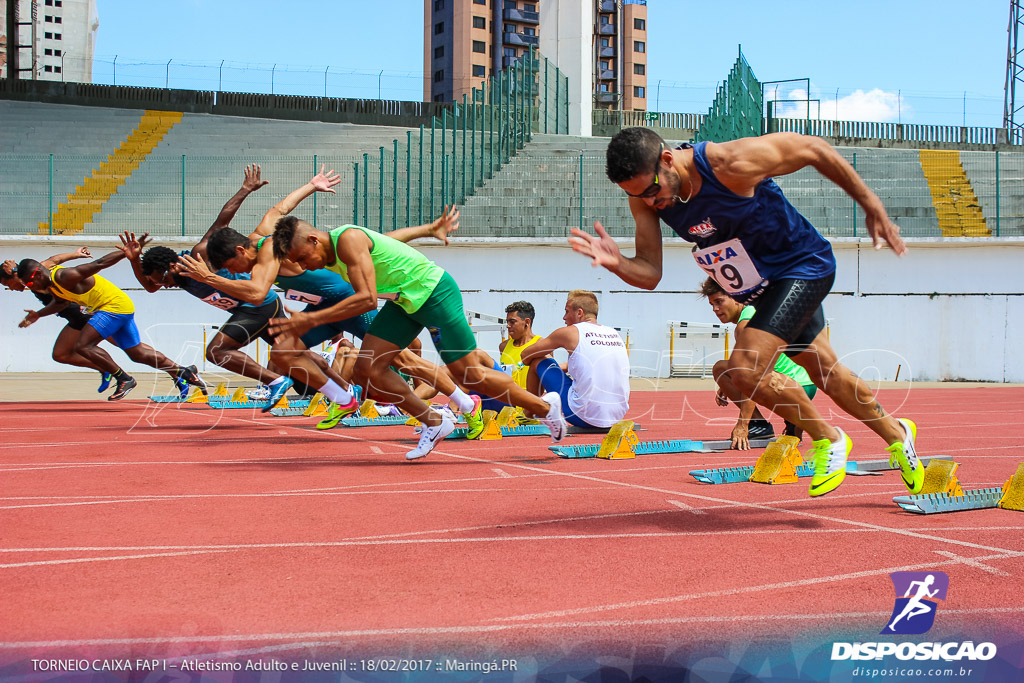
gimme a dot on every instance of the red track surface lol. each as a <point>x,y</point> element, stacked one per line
<point>188,530</point>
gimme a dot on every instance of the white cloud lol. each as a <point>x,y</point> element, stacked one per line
<point>873,105</point>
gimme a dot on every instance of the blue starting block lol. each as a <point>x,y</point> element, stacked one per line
<point>168,399</point>
<point>930,503</point>
<point>520,430</point>
<point>223,403</point>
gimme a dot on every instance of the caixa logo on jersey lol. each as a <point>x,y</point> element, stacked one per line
<point>917,596</point>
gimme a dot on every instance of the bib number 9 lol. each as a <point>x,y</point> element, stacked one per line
<point>730,266</point>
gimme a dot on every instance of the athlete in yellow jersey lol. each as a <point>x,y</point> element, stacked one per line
<point>113,318</point>
<point>519,317</point>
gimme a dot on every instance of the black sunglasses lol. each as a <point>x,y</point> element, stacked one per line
<point>654,188</point>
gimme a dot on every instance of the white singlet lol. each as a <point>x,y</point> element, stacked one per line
<point>599,367</point>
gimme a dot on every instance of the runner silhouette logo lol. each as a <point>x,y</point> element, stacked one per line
<point>917,594</point>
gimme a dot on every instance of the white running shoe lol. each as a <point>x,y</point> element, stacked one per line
<point>444,410</point>
<point>429,438</point>
<point>554,419</point>
<point>260,393</point>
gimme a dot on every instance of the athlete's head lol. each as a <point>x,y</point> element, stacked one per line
<point>159,266</point>
<point>297,240</point>
<point>9,276</point>
<point>228,248</point>
<point>519,319</point>
<point>724,306</point>
<point>639,161</point>
<point>580,306</point>
<point>34,275</point>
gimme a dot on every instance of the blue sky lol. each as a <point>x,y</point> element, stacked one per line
<point>907,61</point>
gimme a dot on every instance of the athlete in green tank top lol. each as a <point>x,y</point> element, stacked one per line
<point>422,296</point>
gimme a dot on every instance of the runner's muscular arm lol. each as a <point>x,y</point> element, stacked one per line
<point>68,278</point>
<point>353,249</point>
<point>254,290</point>
<point>563,338</point>
<point>642,270</point>
<point>323,181</point>
<point>446,223</point>
<point>58,259</point>
<point>251,183</point>
<point>741,164</point>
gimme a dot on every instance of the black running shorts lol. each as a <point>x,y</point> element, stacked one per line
<point>249,322</point>
<point>791,310</point>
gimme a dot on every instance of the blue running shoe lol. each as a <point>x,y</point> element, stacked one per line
<point>182,388</point>
<point>277,391</point>
<point>105,379</point>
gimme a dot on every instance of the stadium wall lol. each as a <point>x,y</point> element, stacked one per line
<point>952,309</point>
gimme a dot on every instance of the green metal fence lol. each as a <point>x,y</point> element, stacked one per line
<point>736,111</point>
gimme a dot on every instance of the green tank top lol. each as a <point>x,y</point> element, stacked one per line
<point>398,268</point>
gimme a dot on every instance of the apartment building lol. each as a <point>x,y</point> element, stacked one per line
<point>56,38</point>
<point>468,41</point>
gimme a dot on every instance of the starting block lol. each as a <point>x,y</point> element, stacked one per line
<point>314,407</point>
<point>197,396</point>
<point>779,462</point>
<point>1010,496</point>
<point>736,475</point>
<point>368,409</point>
<point>619,443</point>
<point>655,447</point>
<point>240,400</point>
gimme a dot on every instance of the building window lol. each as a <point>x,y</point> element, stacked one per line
<point>479,22</point>
<point>640,24</point>
<point>438,75</point>
<point>48,52</point>
<point>605,20</point>
<point>438,28</point>
<point>606,64</point>
<point>56,36</point>
<point>56,69</point>
<point>604,42</point>
<point>604,87</point>
<point>438,5</point>
<point>529,31</point>
<point>479,2</point>
<point>638,91</point>
<point>439,97</point>
<point>479,71</point>
<point>48,36</point>
<point>48,68</point>
<point>640,69</point>
<point>58,20</point>
<point>48,19</point>
<point>56,53</point>
<point>58,3</point>
<point>529,8</point>
<point>508,51</point>
<point>439,52</point>
<point>480,46</point>
<point>48,3</point>
<point>639,46</point>
<point>510,4</point>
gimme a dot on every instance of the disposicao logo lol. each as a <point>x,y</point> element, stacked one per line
<point>917,595</point>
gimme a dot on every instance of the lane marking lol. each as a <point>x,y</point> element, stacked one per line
<point>502,473</point>
<point>971,561</point>
<point>689,508</point>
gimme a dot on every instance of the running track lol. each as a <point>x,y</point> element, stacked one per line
<point>130,530</point>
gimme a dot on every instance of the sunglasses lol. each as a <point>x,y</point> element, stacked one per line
<point>654,188</point>
<point>32,277</point>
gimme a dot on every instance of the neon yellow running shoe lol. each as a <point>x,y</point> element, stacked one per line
<point>336,414</point>
<point>829,463</point>
<point>904,456</point>
<point>475,419</point>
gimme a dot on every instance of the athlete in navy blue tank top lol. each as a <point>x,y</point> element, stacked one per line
<point>757,246</point>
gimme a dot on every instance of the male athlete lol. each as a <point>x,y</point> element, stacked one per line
<point>756,245</point>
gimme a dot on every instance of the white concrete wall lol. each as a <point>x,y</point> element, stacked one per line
<point>952,309</point>
<point>566,39</point>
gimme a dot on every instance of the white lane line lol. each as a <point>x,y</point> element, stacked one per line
<point>689,508</point>
<point>77,560</point>
<point>973,562</point>
<point>502,473</point>
<point>376,449</point>
<point>632,604</point>
<point>335,637</point>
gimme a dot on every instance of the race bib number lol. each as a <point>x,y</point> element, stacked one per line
<point>302,297</point>
<point>225,303</point>
<point>730,266</point>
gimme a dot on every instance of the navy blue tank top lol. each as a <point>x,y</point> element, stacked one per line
<point>745,243</point>
<point>215,297</point>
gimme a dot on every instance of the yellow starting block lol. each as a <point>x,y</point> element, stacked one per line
<point>1013,491</point>
<point>507,417</point>
<point>619,442</point>
<point>197,395</point>
<point>779,462</point>
<point>317,406</point>
<point>368,409</point>
<point>492,429</point>
<point>940,477</point>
